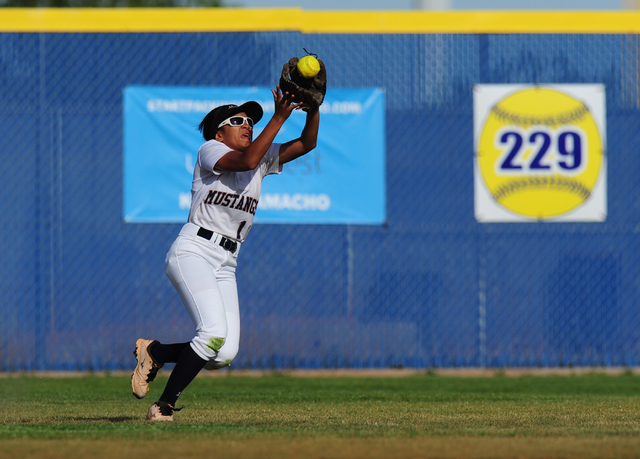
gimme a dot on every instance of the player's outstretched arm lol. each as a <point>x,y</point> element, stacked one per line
<point>307,140</point>
<point>251,156</point>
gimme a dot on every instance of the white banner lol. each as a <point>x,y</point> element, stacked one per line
<point>540,153</point>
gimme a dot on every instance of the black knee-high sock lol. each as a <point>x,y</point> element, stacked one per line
<point>188,366</point>
<point>166,353</point>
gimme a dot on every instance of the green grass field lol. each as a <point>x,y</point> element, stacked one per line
<point>276,416</point>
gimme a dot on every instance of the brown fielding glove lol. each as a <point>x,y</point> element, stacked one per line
<point>311,91</point>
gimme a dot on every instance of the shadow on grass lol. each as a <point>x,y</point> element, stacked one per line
<point>112,419</point>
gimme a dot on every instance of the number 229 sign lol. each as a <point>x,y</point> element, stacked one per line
<point>540,153</point>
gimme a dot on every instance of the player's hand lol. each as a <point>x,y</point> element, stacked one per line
<point>284,103</point>
<point>304,107</point>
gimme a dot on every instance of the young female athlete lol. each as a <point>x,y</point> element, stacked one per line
<point>201,263</point>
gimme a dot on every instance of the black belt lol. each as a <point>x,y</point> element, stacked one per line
<point>226,243</point>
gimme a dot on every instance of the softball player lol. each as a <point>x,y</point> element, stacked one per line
<point>201,262</point>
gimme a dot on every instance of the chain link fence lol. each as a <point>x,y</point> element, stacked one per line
<point>430,288</point>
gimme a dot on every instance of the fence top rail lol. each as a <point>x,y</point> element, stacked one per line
<point>146,20</point>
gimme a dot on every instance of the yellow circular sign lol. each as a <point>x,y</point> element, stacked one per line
<point>540,153</point>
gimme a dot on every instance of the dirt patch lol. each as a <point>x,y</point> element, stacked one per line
<point>317,447</point>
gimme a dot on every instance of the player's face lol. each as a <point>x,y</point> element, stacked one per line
<point>236,137</point>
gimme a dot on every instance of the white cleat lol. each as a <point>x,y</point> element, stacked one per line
<point>161,411</point>
<point>146,369</point>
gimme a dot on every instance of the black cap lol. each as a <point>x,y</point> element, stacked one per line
<point>210,123</point>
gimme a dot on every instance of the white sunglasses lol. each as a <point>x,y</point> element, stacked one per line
<point>236,121</point>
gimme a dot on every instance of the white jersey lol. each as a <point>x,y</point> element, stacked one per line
<point>225,202</point>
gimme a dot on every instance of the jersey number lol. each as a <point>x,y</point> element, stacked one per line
<point>240,228</point>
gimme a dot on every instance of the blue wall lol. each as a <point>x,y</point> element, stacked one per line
<point>431,288</point>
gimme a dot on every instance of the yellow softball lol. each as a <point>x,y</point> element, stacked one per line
<point>308,66</point>
<point>540,153</point>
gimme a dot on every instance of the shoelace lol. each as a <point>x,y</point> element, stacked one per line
<point>153,372</point>
<point>166,409</point>
<point>154,367</point>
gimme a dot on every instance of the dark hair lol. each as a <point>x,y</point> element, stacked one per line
<point>209,124</point>
<point>205,124</point>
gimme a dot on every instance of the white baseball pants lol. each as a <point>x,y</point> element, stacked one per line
<point>204,274</point>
